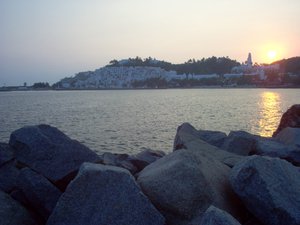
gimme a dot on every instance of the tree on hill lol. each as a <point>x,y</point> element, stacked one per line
<point>41,85</point>
<point>291,65</point>
<point>210,65</point>
<point>113,62</point>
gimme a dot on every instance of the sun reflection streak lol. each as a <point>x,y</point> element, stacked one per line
<point>270,113</point>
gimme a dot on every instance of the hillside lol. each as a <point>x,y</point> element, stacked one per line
<point>290,65</point>
<point>153,73</point>
<point>150,72</point>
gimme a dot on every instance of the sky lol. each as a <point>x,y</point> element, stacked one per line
<point>47,40</point>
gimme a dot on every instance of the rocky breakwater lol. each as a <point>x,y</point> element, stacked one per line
<point>210,178</point>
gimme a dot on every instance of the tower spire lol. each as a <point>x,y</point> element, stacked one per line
<point>249,60</point>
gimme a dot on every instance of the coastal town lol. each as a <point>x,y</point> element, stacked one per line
<point>123,75</point>
<point>151,73</point>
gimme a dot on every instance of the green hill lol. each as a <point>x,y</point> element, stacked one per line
<point>290,65</point>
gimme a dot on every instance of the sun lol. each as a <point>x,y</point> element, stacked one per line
<point>272,54</point>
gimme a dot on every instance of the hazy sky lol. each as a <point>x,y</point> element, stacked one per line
<point>46,40</point>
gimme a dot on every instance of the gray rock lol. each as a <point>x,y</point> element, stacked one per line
<point>50,152</point>
<point>112,159</point>
<point>6,153</point>
<point>104,195</point>
<point>133,163</point>
<point>149,155</point>
<point>8,176</point>
<point>215,216</point>
<point>138,164</point>
<point>240,142</point>
<point>40,193</point>
<point>176,184</point>
<point>185,183</point>
<point>269,187</point>
<point>215,138</point>
<point>291,118</point>
<point>253,221</point>
<point>271,147</point>
<point>12,213</point>
<point>119,160</point>
<point>289,136</point>
<point>144,158</point>
<point>186,139</point>
<point>126,164</point>
<point>20,197</point>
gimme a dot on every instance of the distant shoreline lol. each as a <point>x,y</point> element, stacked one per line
<point>7,89</point>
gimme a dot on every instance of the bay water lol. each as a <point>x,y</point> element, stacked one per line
<point>127,121</point>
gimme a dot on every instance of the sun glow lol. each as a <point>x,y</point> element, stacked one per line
<point>272,54</point>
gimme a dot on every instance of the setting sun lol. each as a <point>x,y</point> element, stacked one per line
<point>271,51</point>
<point>272,54</point>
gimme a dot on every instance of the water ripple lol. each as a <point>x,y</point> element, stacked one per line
<point>130,120</point>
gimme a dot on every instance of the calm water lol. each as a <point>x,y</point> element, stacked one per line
<point>129,120</point>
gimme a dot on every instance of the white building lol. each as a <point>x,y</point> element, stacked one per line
<point>249,69</point>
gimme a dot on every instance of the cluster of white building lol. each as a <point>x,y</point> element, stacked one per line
<point>248,69</point>
<point>116,77</point>
<point>123,77</point>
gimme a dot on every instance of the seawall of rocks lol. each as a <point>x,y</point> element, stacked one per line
<point>210,178</point>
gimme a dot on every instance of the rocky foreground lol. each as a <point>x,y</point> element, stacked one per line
<point>210,178</point>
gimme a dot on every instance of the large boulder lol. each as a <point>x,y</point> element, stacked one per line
<point>269,187</point>
<point>240,142</point>
<point>291,118</point>
<point>8,176</point>
<point>215,216</point>
<point>8,169</point>
<point>6,153</point>
<point>187,138</point>
<point>215,138</point>
<point>184,183</point>
<point>50,152</point>
<point>273,148</point>
<point>289,136</point>
<point>12,213</point>
<point>104,195</point>
<point>40,193</point>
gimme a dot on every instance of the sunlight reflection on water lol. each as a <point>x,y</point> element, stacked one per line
<point>270,113</point>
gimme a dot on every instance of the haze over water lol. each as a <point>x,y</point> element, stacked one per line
<point>126,121</point>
